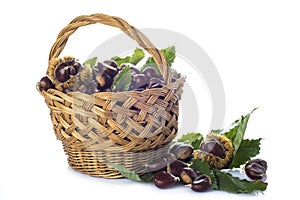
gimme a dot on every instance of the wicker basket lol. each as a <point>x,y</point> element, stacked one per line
<point>103,127</point>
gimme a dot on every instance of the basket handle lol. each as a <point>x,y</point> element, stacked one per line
<point>117,22</point>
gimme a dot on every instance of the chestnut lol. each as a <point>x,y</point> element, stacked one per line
<point>134,70</point>
<point>105,68</point>
<point>256,169</point>
<point>111,63</point>
<point>188,175</point>
<point>154,81</point>
<point>62,73</point>
<point>201,184</point>
<point>150,72</point>
<point>156,164</point>
<point>141,81</point>
<point>174,147</point>
<point>72,70</point>
<point>259,161</point>
<point>176,167</point>
<point>182,151</point>
<point>157,85</point>
<point>163,179</point>
<point>213,147</point>
<point>104,80</point>
<point>45,84</point>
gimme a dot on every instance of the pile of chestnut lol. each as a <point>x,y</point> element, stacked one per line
<point>101,77</point>
<point>174,168</point>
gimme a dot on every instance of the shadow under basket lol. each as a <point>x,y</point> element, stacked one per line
<point>129,128</point>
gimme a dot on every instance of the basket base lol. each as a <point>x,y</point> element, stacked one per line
<point>93,163</point>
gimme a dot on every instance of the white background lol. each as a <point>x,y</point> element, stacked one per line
<point>255,46</point>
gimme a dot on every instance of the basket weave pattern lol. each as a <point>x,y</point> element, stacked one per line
<point>128,128</point>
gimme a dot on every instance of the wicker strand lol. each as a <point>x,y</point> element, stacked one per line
<point>117,22</point>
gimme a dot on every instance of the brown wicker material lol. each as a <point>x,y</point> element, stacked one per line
<point>128,128</point>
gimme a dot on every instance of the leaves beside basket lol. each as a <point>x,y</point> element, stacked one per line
<point>221,179</point>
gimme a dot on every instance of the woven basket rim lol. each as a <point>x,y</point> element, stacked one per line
<point>181,78</point>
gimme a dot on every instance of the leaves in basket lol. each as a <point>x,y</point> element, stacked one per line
<point>137,56</point>
<point>227,182</point>
<point>169,53</point>
<point>91,62</point>
<point>247,150</point>
<point>193,139</point>
<point>134,59</point>
<point>122,80</point>
<point>120,60</point>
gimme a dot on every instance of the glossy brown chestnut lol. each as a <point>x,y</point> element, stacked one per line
<point>176,167</point>
<point>62,73</point>
<point>156,164</point>
<point>188,175</point>
<point>201,184</point>
<point>45,84</point>
<point>183,151</point>
<point>163,179</point>
<point>134,71</point>
<point>213,147</point>
<point>150,72</point>
<point>141,81</point>
<point>111,63</point>
<point>256,169</point>
<point>157,85</point>
<point>104,80</point>
<point>105,68</point>
<point>259,161</point>
<point>174,147</point>
<point>154,81</point>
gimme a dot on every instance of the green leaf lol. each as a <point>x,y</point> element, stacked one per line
<point>169,53</point>
<point>137,56</point>
<point>227,182</point>
<point>193,139</point>
<point>203,168</point>
<point>91,62</point>
<point>237,131</point>
<point>247,150</point>
<point>151,63</point>
<point>122,80</point>
<point>126,173</point>
<point>120,60</point>
<point>147,177</point>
